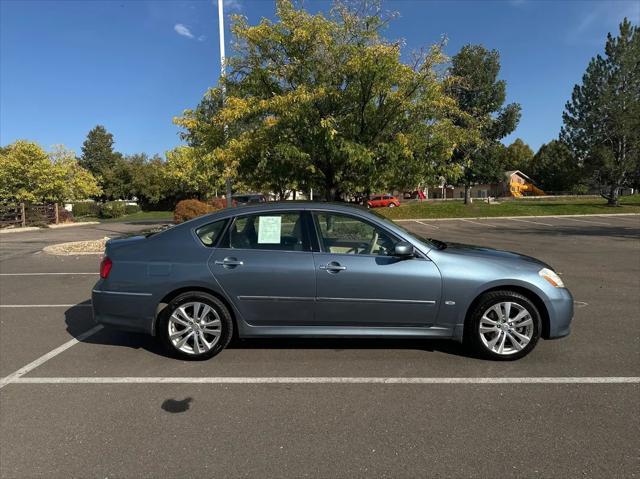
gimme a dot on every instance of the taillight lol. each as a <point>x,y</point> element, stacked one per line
<point>105,267</point>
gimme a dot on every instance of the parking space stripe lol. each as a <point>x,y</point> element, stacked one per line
<point>47,274</point>
<point>326,380</point>
<point>51,354</point>
<point>427,224</point>
<point>478,223</point>
<point>528,221</point>
<point>44,305</point>
<point>589,222</point>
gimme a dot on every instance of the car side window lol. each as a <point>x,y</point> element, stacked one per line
<point>346,234</point>
<point>269,231</point>
<point>210,233</point>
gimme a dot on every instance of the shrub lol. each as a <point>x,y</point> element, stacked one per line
<point>112,209</point>
<point>86,208</point>
<point>219,203</point>
<point>130,209</point>
<point>64,216</point>
<point>188,209</point>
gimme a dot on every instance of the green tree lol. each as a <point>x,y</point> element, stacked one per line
<point>555,168</point>
<point>602,119</point>
<point>326,102</point>
<point>481,96</point>
<point>100,159</point>
<point>190,173</point>
<point>72,181</point>
<point>28,173</point>
<point>517,156</point>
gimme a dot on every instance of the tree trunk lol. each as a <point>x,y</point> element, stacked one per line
<point>613,196</point>
<point>467,194</point>
<point>331,191</point>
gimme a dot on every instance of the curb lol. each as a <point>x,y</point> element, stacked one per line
<point>513,217</point>
<point>53,227</point>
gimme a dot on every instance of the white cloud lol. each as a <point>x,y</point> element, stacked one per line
<point>183,30</point>
<point>601,16</point>
<point>233,5</point>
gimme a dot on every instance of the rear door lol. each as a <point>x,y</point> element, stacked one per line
<point>359,283</point>
<point>265,266</point>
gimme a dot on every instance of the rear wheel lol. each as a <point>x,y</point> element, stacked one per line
<point>195,325</point>
<point>504,326</point>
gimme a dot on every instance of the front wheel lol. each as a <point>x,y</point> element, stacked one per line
<point>391,205</point>
<point>504,326</point>
<point>195,325</point>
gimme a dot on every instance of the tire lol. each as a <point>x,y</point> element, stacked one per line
<point>213,332</point>
<point>391,205</point>
<point>498,339</point>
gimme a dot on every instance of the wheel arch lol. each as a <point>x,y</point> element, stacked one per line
<point>527,293</point>
<point>164,302</point>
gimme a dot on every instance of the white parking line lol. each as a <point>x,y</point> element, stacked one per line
<point>44,305</point>
<point>478,223</point>
<point>589,221</point>
<point>51,354</point>
<point>427,224</point>
<point>327,380</point>
<point>527,221</point>
<point>47,274</point>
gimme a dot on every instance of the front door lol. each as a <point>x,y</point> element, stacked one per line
<point>359,283</point>
<point>265,266</point>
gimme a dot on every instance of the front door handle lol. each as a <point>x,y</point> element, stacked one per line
<point>229,262</point>
<point>332,267</point>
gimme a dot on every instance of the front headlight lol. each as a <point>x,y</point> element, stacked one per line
<point>551,277</point>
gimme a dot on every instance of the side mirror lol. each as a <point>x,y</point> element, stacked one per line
<point>403,249</point>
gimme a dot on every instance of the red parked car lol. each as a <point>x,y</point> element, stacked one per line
<point>383,201</point>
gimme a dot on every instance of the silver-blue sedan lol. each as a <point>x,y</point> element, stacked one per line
<point>306,269</point>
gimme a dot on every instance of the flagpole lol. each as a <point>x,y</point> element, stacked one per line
<point>222,75</point>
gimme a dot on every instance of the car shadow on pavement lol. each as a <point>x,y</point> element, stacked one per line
<point>341,344</point>
<point>79,319</point>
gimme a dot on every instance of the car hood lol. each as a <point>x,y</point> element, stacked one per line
<point>492,254</point>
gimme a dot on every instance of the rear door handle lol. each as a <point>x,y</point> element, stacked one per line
<point>332,267</point>
<point>229,262</point>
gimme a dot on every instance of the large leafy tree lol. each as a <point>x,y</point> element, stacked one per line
<point>517,156</point>
<point>555,169</point>
<point>481,95</point>
<point>326,102</point>
<point>602,119</point>
<point>28,173</point>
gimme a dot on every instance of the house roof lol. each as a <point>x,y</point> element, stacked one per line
<point>509,174</point>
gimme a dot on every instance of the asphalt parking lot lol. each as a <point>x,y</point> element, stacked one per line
<point>108,404</point>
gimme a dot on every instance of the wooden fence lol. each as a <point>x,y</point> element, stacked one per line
<point>16,215</point>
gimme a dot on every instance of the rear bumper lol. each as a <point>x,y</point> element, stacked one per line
<point>126,311</point>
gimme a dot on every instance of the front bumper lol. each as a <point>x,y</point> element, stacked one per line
<point>560,310</point>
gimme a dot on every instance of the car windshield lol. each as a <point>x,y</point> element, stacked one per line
<point>432,243</point>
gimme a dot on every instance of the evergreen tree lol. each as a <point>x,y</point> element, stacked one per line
<point>602,119</point>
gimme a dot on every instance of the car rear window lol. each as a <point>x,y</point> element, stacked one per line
<point>209,234</point>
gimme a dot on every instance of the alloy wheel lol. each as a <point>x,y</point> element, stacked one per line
<point>506,328</point>
<point>194,328</point>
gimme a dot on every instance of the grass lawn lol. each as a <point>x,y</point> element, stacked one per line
<point>456,209</point>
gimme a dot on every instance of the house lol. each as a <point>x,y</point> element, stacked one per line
<point>515,184</point>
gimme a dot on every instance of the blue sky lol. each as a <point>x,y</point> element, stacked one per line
<point>132,65</point>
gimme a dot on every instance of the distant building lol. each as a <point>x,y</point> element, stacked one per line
<point>515,184</point>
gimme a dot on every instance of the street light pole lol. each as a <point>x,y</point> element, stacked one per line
<point>222,75</point>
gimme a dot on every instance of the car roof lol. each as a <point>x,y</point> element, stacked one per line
<point>280,206</point>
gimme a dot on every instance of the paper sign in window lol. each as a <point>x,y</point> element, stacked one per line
<point>269,229</point>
